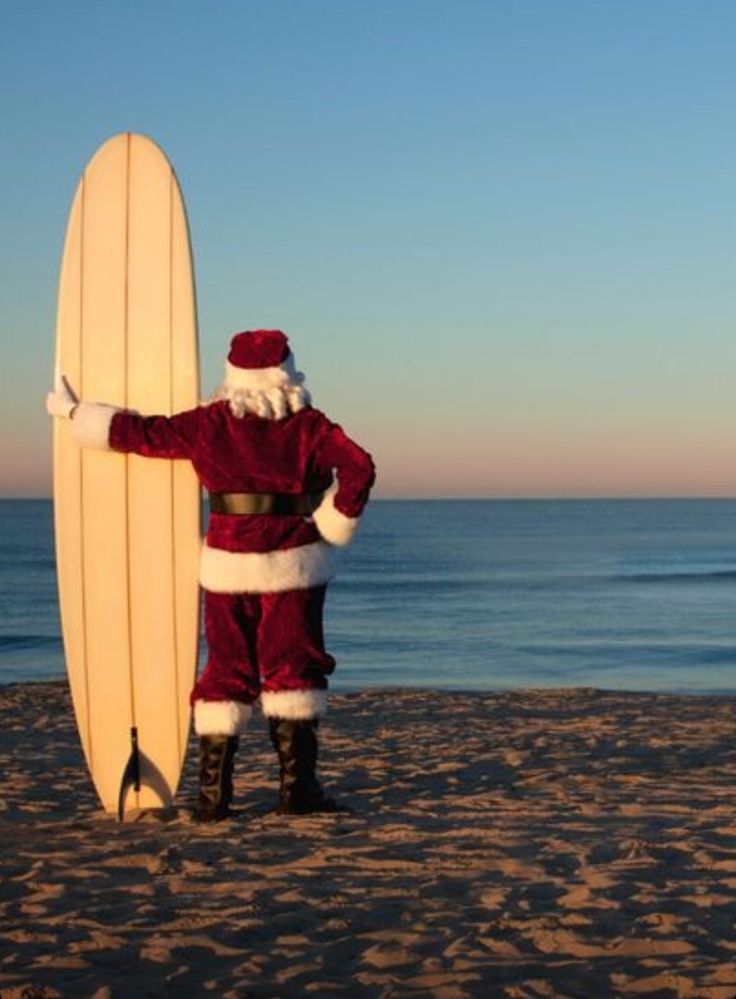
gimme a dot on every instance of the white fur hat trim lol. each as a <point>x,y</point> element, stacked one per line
<point>262,379</point>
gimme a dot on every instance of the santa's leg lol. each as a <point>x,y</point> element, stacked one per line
<point>216,758</point>
<point>223,697</point>
<point>294,668</point>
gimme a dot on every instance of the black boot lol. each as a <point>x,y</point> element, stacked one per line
<point>300,792</point>
<point>216,753</point>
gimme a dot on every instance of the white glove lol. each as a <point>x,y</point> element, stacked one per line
<point>62,400</point>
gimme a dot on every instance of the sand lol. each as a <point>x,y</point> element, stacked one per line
<point>558,843</point>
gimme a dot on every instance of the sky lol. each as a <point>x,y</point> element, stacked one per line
<point>500,235</point>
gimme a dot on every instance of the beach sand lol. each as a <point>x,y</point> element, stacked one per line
<point>557,843</point>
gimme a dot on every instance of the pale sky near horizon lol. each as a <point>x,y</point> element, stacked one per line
<point>502,236</point>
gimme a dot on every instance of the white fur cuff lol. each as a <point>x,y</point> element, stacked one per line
<point>221,717</point>
<point>91,425</point>
<point>334,526</point>
<point>266,572</point>
<point>296,705</point>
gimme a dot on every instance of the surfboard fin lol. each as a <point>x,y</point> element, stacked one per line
<point>131,774</point>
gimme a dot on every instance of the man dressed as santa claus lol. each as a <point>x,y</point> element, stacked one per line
<point>267,458</point>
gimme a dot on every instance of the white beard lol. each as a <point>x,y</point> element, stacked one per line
<point>271,393</point>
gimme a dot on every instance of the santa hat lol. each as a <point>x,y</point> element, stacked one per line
<point>261,375</point>
<point>258,349</point>
<point>259,360</point>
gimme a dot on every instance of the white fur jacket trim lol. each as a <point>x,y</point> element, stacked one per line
<point>334,526</point>
<point>298,568</point>
<point>296,705</point>
<point>221,717</point>
<point>91,424</point>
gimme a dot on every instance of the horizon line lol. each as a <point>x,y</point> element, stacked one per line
<point>551,497</point>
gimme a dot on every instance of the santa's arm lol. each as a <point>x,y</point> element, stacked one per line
<point>338,514</point>
<point>155,436</point>
<point>109,428</point>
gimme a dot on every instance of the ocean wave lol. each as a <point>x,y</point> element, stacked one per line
<point>593,652</point>
<point>426,584</point>
<point>18,642</point>
<point>712,576</point>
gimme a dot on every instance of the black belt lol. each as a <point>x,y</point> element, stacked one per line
<point>283,504</point>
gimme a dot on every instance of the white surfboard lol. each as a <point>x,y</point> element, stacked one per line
<point>128,528</point>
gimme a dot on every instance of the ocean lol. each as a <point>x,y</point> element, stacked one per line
<point>477,595</point>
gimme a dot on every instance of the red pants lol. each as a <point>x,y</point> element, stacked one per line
<point>263,641</point>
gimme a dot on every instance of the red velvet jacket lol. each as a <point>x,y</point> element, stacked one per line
<point>296,454</point>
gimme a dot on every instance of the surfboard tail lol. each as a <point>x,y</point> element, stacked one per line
<point>131,774</point>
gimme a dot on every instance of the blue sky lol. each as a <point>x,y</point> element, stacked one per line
<point>502,236</point>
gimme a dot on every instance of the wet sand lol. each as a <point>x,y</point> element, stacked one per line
<point>559,843</point>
